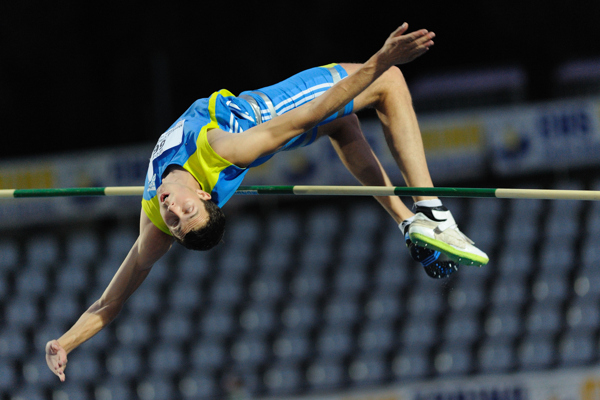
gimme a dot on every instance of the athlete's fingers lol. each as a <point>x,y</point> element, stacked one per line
<point>400,30</point>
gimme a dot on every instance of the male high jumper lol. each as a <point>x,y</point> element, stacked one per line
<point>201,160</point>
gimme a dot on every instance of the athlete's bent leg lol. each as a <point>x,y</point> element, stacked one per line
<point>358,157</point>
<point>433,225</point>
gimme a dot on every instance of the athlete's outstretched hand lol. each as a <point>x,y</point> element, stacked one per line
<point>56,357</point>
<point>402,47</point>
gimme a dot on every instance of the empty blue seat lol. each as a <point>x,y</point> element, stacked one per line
<point>28,393</point>
<point>175,328</point>
<point>508,292</point>
<point>114,388</point>
<point>71,390</point>
<point>10,254</point>
<point>300,315</point>
<point>423,301</point>
<point>462,328</point>
<point>292,347</point>
<point>368,370</point>
<point>419,332</point>
<point>166,358</point>
<point>376,337</point>
<point>411,364</point>
<point>257,319</point>
<point>334,341</point>
<point>63,308</point>
<point>72,277</point>
<point>551,288</point>
<point>226,292</point>
<point>42,251</point>
<point>218,322</point>
<point>36,372</point>
<point>193,267</point>
<point>583,316</point>
<point>284,227</point>
<point>145,302</point>
<point>250,350</point>
<point>22,312</point>
<point>32,282</point>
<point>557,255</point>
<point>208,354</point>
<point>543,319</point>
<point>392,274</point>
<point>325,374</point>
<point>307,284</point>
<point>283,379</point>
<point>13,343</point>
<point>8,376</point>
<point>82,246</point>
<point>536,352</point>
<point>496,356</point>
<point>157,386</point>
<point>119,242</point>
<point>350,281</point>
<point>198,385</point>
<point>342,311</point>
<point>383,307</point>
<point>84,367</point>
<point>184,297</point>
<point>266,289</point>
<point>503,322</point>
<point>125,362</point>
<point>577,349</point>
<point>453,360</point>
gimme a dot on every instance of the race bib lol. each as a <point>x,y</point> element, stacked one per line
<point>171,138</point>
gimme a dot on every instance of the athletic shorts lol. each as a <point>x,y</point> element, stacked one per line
<point>293,92</point>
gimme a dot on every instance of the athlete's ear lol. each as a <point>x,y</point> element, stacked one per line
<point>203,195</point>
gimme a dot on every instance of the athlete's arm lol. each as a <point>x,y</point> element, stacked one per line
<point>150,246</point>
<point>243,148</point>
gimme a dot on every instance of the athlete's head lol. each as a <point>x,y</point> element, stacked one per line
<point>192,218</point>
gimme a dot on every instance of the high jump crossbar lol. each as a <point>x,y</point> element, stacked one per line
<point>548,194</point>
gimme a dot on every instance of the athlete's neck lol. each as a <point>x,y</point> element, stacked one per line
<point>178,174</point>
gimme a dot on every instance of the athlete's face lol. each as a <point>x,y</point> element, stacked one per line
<point>181,208</point>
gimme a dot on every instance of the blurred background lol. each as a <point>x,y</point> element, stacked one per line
<point>308,298</point>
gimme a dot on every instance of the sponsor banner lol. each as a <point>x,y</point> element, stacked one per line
<point>549,136</point>
<point>576,384</point>
<point>120,167</point>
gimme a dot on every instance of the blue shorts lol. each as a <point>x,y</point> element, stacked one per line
<point>293,92</point>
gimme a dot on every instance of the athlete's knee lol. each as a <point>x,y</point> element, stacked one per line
<point>393,82</point>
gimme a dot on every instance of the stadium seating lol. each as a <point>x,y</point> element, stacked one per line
<point>307,298</point>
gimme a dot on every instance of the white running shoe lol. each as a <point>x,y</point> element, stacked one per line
<point>436,229</point>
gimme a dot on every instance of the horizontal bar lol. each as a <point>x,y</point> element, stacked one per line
<point>549,194</point>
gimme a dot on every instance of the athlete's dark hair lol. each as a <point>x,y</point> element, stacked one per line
<point>208,236</point>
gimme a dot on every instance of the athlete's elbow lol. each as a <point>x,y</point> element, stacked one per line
<point>106,309</point>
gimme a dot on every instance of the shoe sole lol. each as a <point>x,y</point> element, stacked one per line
<point>456,255</point>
